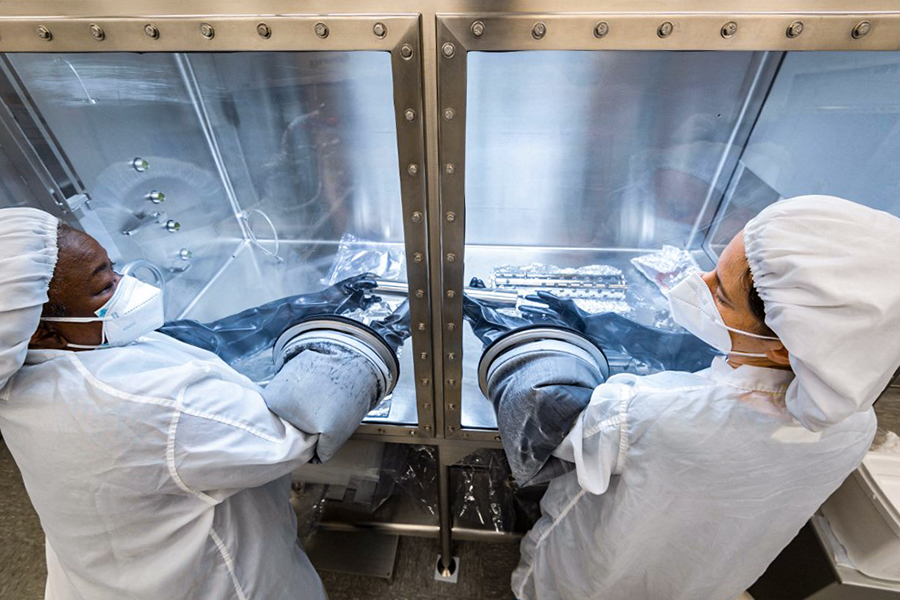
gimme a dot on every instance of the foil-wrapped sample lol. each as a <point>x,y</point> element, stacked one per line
<point>666,267</point>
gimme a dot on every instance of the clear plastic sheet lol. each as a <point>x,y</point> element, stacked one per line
<point>355,255</point>
<point>413,470</point>
<point>667,267</point>
<point>308,502</point>
<point>484,492</point>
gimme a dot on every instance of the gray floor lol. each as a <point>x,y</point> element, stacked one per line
<point>484,568</point>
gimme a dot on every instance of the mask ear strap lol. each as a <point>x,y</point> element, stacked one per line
<point>753,335</point>
<point>84,347</point>
<point>74,319</point>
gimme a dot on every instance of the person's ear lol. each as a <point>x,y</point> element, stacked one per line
<point>779,355</point>
<point>47,338</point>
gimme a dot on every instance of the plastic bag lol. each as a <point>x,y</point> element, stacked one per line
<point>355,255</point>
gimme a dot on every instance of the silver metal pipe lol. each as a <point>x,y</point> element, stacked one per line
<point>446,562</point>
<point>400,288</point>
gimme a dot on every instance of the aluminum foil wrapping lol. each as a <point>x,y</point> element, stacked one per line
<point>666,267</point>
<point>593,288</point>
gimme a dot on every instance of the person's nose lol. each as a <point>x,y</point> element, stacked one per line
<point>709,278</point>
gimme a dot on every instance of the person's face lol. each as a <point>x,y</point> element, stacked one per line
<point>729,286</point>
<point>83,282</point>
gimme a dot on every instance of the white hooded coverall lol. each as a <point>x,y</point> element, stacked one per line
<point>158,472</point>
<point>685,487</point>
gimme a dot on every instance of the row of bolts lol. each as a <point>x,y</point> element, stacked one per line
<point>538,31</point>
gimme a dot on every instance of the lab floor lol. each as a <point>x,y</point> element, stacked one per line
<point>484,568</point>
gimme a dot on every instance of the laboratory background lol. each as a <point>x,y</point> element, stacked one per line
<point>241,152</point>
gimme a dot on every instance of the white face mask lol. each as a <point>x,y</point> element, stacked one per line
<point>135,309</point>
<point>694,308</point>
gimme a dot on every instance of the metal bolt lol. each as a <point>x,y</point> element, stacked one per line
<point>172,226</point>
<point>421,326</point>
<point>451,383</point>
<point>465,436</point>
<point>427,406</point>
<point>451,326</point>
<point>451,216</point>
<point>496,438</point>
<point>97,32</point>
<point>185,254</point>
<point>449,169</point>
<point>424,381</point>
<point>601,29</point>
<point>382,430</point>
<point>451,257</point>
<point>207,31</point>
<point>410,115</point>
<point>156,197</point>
<point>413,169</point>
<point>451,356</point>
<point>451,429</point>
<point>539,30</point>
<point>448,50</point>
<point>420,294</point>
<point>44,33</point>
<point>428,428</point>
<point>417,217</point>
<point>151,31</point>
<point>140,165</point>
<point>414,433</point>
<point>424,356</point>
<point>477,29</point>
<point>794,29</point>
<point>406,52</point>
<point>451,294</point>
<point>861,30</point>
<point>729,29</point>
<point>665,30</point>
<point>417,257</point>
<point>379,30</point>
<point>451,406</point>
<point>322,30</point>
<point>264,31</point>
<point>449,113</point>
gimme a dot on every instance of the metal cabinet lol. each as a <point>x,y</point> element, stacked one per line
<point>235,152</point>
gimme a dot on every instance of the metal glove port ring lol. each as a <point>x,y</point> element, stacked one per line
<point>347,333</point>
<point>554,337</point>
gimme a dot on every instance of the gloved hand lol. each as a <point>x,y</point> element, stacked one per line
<point>487,322</point>
<point>659,349</point>
<point>394,328</point>
<point>558,311</point>
<point>249,331</point>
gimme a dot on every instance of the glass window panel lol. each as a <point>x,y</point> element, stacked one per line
<point>831,125</point>
<point>592,158</point>
<point>267,160</point>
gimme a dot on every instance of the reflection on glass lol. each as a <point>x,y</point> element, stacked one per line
<point>589,159</point>
<point>267,161</point>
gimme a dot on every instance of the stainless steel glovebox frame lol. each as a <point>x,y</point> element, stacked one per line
<point>736,26</point>
<point>397,34</point>
<point>429,41</point>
